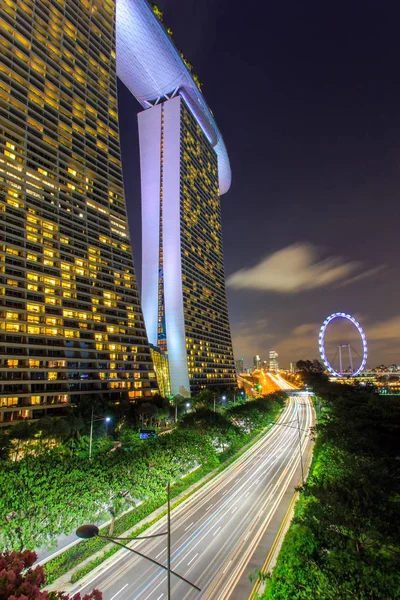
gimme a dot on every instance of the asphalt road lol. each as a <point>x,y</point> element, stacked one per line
<point>216,531</point>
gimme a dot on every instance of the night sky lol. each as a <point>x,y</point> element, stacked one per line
<point>307,97</point>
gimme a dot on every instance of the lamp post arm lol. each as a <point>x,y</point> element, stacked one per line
<point>129,539</point>
<point>105,537</point>
<point>289,426</point>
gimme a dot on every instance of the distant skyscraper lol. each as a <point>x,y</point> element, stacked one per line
<point>71,323</point>
<point>273,360</point>
<point>184,168</point>
<point>292,367</point>
<point>256,361</point>
<point>239,365</point>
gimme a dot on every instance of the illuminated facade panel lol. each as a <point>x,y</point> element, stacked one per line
<point>183,216</point>
<point>161,368</point>
<point>71,323</point>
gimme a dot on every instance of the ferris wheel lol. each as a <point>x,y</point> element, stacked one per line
<point>343,348</point>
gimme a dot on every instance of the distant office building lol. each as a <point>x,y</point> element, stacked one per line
<point>273,360</point>
<point>184,169</point>
<point>293,367</point>
<point>161,368</point>
<point>256,361</point>
<point>239,364</point>
<point>71,323</point>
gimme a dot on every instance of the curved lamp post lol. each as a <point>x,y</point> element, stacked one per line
<point>87,532</point>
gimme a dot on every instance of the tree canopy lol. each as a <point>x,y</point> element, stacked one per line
<point>344,542</point>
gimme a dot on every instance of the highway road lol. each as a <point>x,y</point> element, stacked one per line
<point>268,384</point>
<point>216,532</point>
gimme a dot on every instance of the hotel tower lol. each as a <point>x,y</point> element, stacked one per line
<point>71,322</point>
<point>184,169</point>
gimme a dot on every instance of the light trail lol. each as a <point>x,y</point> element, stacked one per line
<point>216,531</point>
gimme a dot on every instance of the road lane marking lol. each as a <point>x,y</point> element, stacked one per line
<point>211,505</point>
<point>189,526</point>
<point>216,531</point>
<point>159,554</point>
<point>115,595</point>
<point>227,566</point>
<point>160,596</point>
<point>192,559</point>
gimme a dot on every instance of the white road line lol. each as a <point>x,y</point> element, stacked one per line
<point>234,510</point>
<point>159,554</point>
<point>192,559</point>
<point>189,526</point>
<point>160,596</point>
<point>115,595</point>
<point>216,531</point>
<point>227,566</point>
<point>211,505</point>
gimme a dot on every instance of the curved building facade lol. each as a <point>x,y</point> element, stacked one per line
<point>70,318</point>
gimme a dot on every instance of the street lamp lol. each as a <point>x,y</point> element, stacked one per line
<point>87,532</point>
<point>287,424</point>
<point>187,405</point>
<point>93,418</point>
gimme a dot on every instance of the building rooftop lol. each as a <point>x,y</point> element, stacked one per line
<point>151,67</point>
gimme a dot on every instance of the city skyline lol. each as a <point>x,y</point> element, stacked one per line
<point>314,167</point>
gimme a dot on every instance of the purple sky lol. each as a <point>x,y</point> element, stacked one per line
<point>307,97</point>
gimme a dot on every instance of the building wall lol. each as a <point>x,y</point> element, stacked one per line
<point>71,323</point>
<point>208,336</point>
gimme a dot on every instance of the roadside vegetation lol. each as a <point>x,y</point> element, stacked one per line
<point>19,579</point>
<point>50,488</point>
<point>344,541</point>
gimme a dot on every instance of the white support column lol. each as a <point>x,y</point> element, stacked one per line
<point>173,293</point>
<point>150,168</point>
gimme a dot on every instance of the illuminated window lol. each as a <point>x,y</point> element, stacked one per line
<point>33,330</point>
<point>12,315</point>
<point>34,307</point>
<point>33,319</point>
